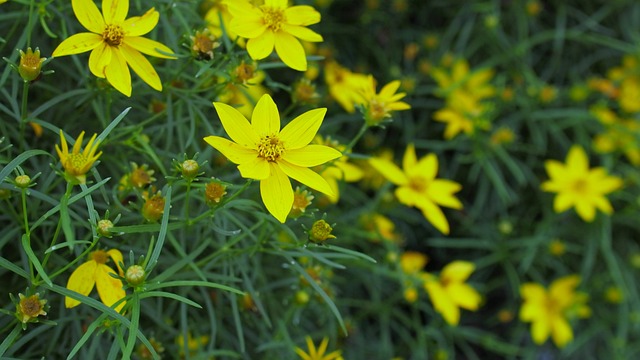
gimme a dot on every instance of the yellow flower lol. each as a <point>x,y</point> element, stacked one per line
<point>264,152</point>
<point>275,25</point>
<point>475,84</point>
<point>339,170</point>
<point>418,186</point>
<point>412,262</point>
<point>76,164</point>
<point>96,272</point>
<point>344,86</point>
<point>319,353</point>
<point>449,292</point>
<point>379,106</point>
<point>30,307</point>
<point>115,43</point>
<point>578,186</point>
<point>548,311</point>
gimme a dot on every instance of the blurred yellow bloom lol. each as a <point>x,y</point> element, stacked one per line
<point>344,86</point>
<point>264,152</point>
<point>96,272</point>
<point>275,25</point>
<point>247,88</point>
<point>378,106</point>
<point>76,164</point>
<point>449,293</point>
<point>412,262</point>
<point>578,186</point>
<point>116,42</point>
<point>549,311</point>
<point>463,113</point>
<point>339,170</point>
<point>418,186</point>
<point>319,353</point>
<point>219,17</point>
<point>476,84</point>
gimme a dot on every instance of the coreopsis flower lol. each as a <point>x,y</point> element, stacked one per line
<point>549,311</point>
<point>460,79</point>
<point>97,272</point>
<point>275,25</point>
<point>30,307</point>
<point>219,17</point>
<point>449,292</point>
<point>116,43</point>
<point>301,200</point>
<point>418,186</point>
<point>344,86</point>
<point>462,113</point>
<point>76,164</point>
<point>579,186</point>
<point>319,353</point>
<point>378,106</point>
<point>266,153</point>
<point>412,262</point>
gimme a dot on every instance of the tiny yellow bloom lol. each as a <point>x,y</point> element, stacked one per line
<point>266,153</point>
<point>96,272</point>
<point>449,293</point>
<point>548,311</point>
<point>275,25</point>
<point>412,262</point>
<point>30,307</point>
<point>30,64</point>
<point>378,106</point>
<point>418,186</point>
<point>116,42</point>
<point>344,86</point>
<point>319,353</point>
<point>578,186</point>
<point>76,164</point>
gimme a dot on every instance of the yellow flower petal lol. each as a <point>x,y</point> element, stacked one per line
<point>457,271</point>
<point>302,33</point>
<point>302,15</point>
<point>77,44</point>
<point>265,119</point>
<point>563,201</point>
<point>408,196</point>
<point>306,176</point>
<point>409,160</point>
<point>88,15</point>
<point>262,46</point>
<point>427,167</point>
<point>257,169</point>
<point>141,25</point>
<point>115,11</point>
<point>311,155</point>
<point>276,3</point>
<point>99,58</point>
<point>441,192</point>
<point>77,146</point>
<point>349,172</point>
<point>81,281</point>
<point>237,126</point>
<point>277,193</point>
<point>117,258</point>
<point>389,170</point>
<point>301,130</point>
<point>141,66</point>
<point>117,73</point>
<point>290,51</point>
<point>441,302</point>
<point>433,214</point>
<point>540,330</point>
<point>236,153</point>
<point>390,89</point>
<point>148,46</point>
<point>577,160</point>
<point>561,332</point>
<point>533,292</point>
<point>250,26</point>
<point>109,288</point>
<point>585,209</point>
<point>464,296</point>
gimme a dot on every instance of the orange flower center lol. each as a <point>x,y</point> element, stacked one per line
<point>273,17</point>
<point>75,163</point>
<point>244,72</point>
<point>270,148</point>
<point>418,184</point>
<point>377,110</point>
<point>100,256</point>
<point>113,35</point>
<point>31,306</point>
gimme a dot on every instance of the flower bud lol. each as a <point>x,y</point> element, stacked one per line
<point>153,208</point>
<point>189,169</point>
<point>104,227</point>
<point>30,64</point>
<point>23,181</point>
<point>213,192</point>
<point>135,275</point>
<point>320,232</point>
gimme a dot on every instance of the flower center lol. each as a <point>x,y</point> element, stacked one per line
<point>100,256</point>
<point>270,148</point>
<point>418,184</point>
<point>31,306</point>
<point>74,164</point>
<point>273,17</point>
<point>580,186</point>
<point>377,110</point>
<point>113,35</point>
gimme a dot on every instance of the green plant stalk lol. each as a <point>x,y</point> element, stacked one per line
<point>27,231</point>
<point>23,112</point>
<point>30,22</point>
<point>355,140</point>
<point>65,199</point>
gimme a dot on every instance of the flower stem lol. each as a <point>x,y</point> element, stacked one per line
<point>23,112</point>
<point>353,142</point>
<point>27,231</point>
<point>30,22</point>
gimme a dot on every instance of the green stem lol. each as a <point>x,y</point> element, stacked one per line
<point>23,112</point>
<point>27,231</point>
<point>67,195</point>
<point>30,22</point>
<point>353,142</point>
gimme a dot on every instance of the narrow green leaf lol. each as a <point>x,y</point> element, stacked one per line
<point>169,295</point>
<point>19,160</point>
<point>34,259</point>
<point>13,267</point>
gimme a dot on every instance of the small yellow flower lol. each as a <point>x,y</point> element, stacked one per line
<point>418,186</point>
<point>96,272</point>
<point>203,43</point>
<point>378,107</point>
<point>548,311</point>
<point>412,262</point>
<point>30,307</point>
<point>192,344</point>
<point>320,232</point>
<point>301,200</point>
<point>557,247</point>
<point>116,42</point>
<point>344,86</point>
<point>153,207</point>
<point>578,186</point>
<point>214,191</point>
<point>275,25</point>
<point>340,170</point>
<point>319,353</point>
<point>449,293</point>
<point>76,164</point>
<point>266,153</point>
<point>246,87</point>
